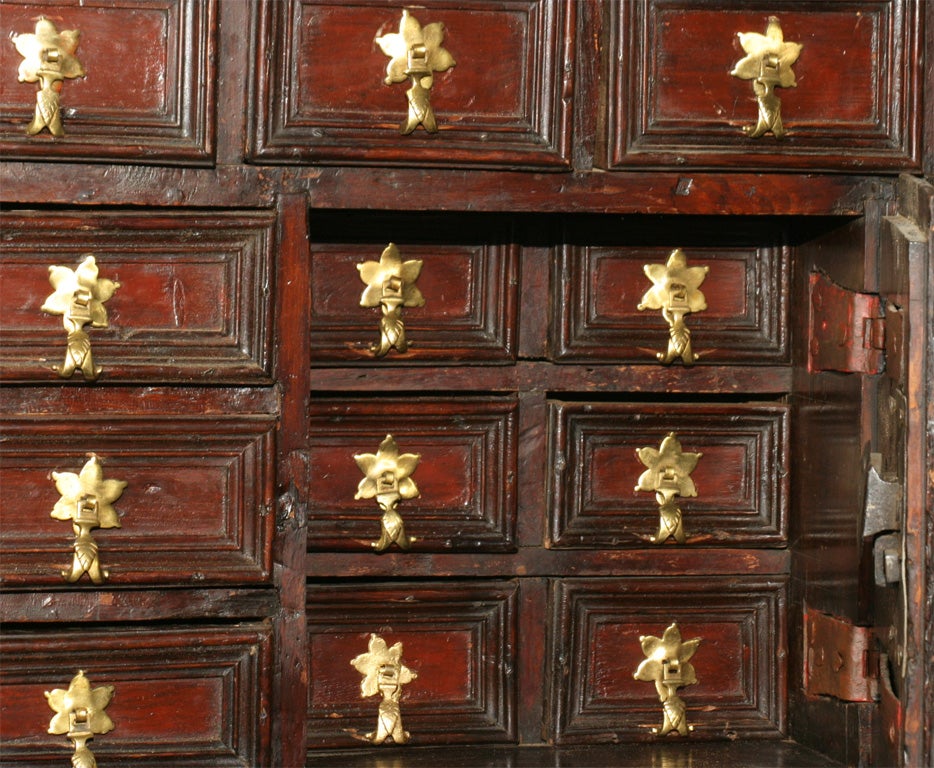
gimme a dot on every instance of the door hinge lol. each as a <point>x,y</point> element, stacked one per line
<point>840,659</point>
<point>847,329</point>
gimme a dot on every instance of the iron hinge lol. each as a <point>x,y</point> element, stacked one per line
<point>847,329</point>
<point>840,659</point>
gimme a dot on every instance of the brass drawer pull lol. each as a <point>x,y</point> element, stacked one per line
<point>668,474</point>
<point>667,664</point>
<point>415,53</point>
<point>48,58</point>
<point>87,500</point>
<point>79,297</point>
<point>385,674</point>
<point>80,715</point>
<point>676,292</point>
<point>390,284</point>
<point>387,479</point>
<point>767,63</point>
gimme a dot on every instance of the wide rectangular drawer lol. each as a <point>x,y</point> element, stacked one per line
<point>465,474</point>
<point>194,696</point>
<point>193,304</point>
<point>198,501</point>
<point>148,93</point>
<point>458,638</point>
<point>856,104</point>
<point>321,94</point>
<point>739,664</point>
<point>740,479</point>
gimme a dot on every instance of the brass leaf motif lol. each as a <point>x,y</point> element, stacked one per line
<point>667,664</point>
<point>385,674</point>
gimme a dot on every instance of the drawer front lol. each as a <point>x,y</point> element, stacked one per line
<point>197,696</point>
<point>458,638</point>
<point>465,474</point>
<point>467,280</point>
<point>321,95</point>
<point>196,508</point>
<point>603,282</point>
<point>193,302</point>
<point>739,663</point>
<point>148,94</point>
<point>740,478</point>
<point>857,102</point>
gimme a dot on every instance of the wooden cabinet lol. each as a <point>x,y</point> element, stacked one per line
<point>586,417</point>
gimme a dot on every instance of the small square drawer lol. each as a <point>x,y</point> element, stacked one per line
<point>194,696</point>
<point>147,94</point>
<point>322,93</point>
<point>180,487</point>
<point>465,473</point>
<point>457,643</point>
<point>739,664</point>
<point>193,302</point>
<point>740,478</point>
<point>849,98</point>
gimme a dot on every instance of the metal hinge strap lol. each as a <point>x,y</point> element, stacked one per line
<point>840,659</point>
<point>847,329</point>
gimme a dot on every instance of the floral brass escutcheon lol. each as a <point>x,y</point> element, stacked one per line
<point>669,476</point>
<point>79,715</point>
<point>87,500</point>
<point>48,59</point>
<point>387,479</point>
<point>79,298</point>
<point>415,53</point>
<point>767,63</point>
<point>390,284</point>
<point>667,664</point>
<point>385,674</point>
<point>676,292</point>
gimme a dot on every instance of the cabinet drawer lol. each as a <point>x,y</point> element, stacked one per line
<point>321,95</point>
<point>193,302</point>
<point>458,638</point>
<point>465,476</point>
<point>149,90</point>
<point>739,664</point>
<point>740,479</point>
<point>857,103</point>
<point>192,696</point>
<point>602,282</point>
<point>198,498</point>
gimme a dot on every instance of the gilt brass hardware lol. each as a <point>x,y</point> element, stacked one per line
<point>667,664</point>
<point>385,674</point>
<point>48,58</point>
<point>87,500</point>
<point>676,292</point>
<point>79,297</point>
<point>390,284</point>
<point>387,478</point>
<point>80,715</point>
<point>668,474</point>
<point>767,63</point>
<point>415,53</point>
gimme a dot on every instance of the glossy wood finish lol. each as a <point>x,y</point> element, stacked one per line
<point>149,91</point>
<point>191,303</point>
<point>321,97</point>
<point>674,102</point>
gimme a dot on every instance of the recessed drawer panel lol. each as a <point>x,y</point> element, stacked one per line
<point>457,638</point>
<point>459,305</point>
<point>193,304</point>
<point>196,507</point>
<point>604,282</point>
<point>739,664</point>
<point>322,95</point>
<point>148,91</point>
<point>740,478</point>
<point>465,474</point>
<point>856,103</point>
<point>196,696</point>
